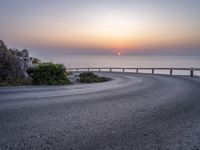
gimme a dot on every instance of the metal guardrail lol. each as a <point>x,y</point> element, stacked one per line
<point>137,70</point>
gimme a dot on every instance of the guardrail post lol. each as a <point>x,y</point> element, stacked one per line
<point>123,70</point>
<point>88,69</point>
<point>110,69</point>
<point>99,69</point>
<point>136,70</point>
<point>171,71</point>
<point>152,70</point>
<point>76,69</point>
<point>191,72</point>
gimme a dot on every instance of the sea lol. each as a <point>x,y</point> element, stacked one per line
<point>140,61</point>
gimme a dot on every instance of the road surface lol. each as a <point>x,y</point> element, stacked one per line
<point>132,111</point>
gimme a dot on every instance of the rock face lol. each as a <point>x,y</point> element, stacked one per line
<point>13,63</point>
<point>1,43</point>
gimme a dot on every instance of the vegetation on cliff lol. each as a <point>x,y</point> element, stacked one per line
<point>18,68</point>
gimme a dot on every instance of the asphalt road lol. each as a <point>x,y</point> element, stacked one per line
<point>129,112</point>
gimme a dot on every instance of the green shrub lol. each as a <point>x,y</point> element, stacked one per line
<point>90,77</point>
<point>49,74</point>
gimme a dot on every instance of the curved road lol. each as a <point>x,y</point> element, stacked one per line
<point>132,111</point>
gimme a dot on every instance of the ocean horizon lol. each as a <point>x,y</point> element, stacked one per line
<point>148,61</point>
<point>77,60</point>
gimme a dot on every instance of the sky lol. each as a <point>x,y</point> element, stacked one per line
<point>102,26</point>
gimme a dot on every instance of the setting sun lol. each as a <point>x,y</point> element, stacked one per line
<point>100,27</point>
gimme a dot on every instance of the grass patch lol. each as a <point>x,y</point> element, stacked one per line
<point>16,82</point>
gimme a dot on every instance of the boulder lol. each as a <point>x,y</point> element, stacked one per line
<point>1,44</point>
<point>13,63</point>
<point>24,53</point>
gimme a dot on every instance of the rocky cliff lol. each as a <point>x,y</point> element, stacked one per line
<point>13,63</point>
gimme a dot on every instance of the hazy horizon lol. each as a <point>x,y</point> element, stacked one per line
<point>148,27</point>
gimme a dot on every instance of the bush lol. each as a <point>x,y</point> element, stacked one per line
<point>49,74</point>
<point>90,77</point>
